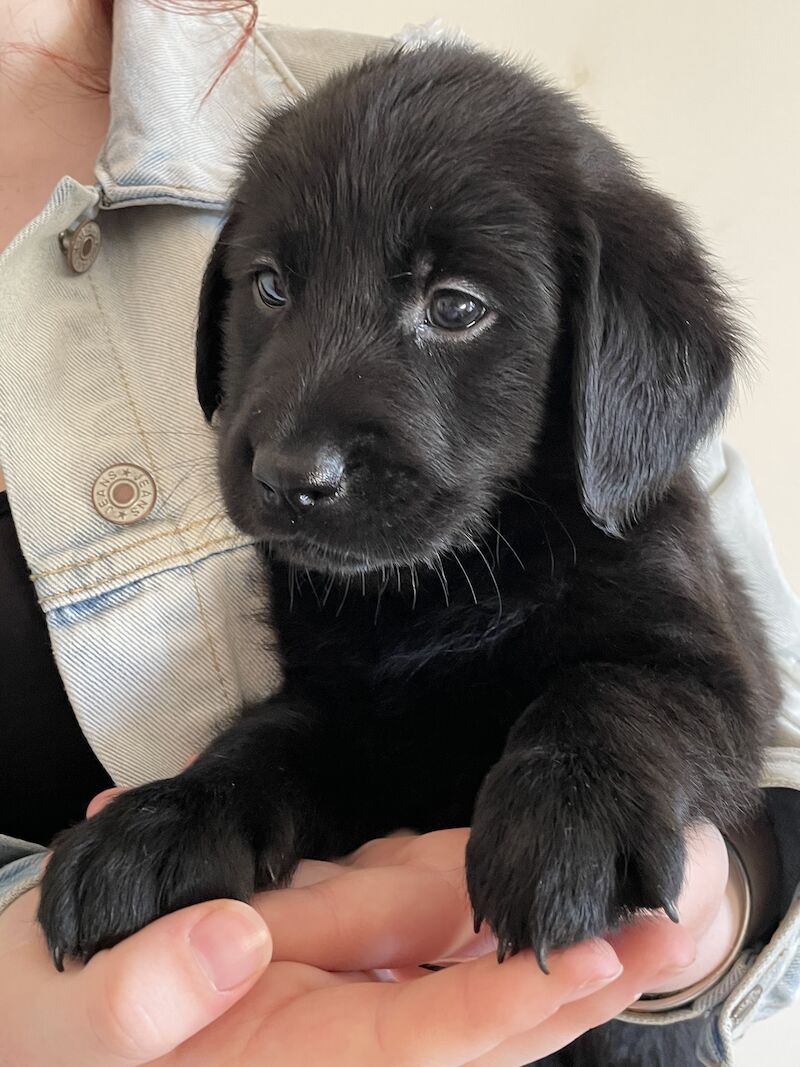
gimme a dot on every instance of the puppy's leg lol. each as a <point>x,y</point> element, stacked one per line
<point>582,820</point>
<point>268,791</point>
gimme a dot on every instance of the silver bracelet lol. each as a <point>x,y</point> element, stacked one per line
<point>739,885</point>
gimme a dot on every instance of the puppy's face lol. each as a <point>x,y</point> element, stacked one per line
<point>380,316</point>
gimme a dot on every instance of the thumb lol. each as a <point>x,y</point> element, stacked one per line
<point>144,997</point>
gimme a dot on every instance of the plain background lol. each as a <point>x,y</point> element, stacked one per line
<point>704,93</point>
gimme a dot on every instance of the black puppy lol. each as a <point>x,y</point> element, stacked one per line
<point>460,357</point>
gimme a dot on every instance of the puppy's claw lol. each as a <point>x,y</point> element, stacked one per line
<point>503,947</point>
<point>58,957</point>
<point>669,907</point>
<point>477,922</point>
<point>542,952</point>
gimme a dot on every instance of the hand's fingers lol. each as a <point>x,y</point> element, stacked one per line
<point>705,878</point>
<point>396,902</point>
<point>369,918</point>
<point>445,1020</point>
<point>647,950</point>
<point>441,850</point>
<point>137,1001</point>
<point>240,1037</point>
<point>708,907</point>
<point>163,984</point>
<point>96,804</point>
<point>309,872</point>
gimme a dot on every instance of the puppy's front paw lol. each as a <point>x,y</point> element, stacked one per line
<point>555,857</point>
<point>157,848</point>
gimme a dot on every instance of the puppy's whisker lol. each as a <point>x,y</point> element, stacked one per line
<point>542,527</point>
<point>344,596</point>
<point>217,521</point>
<point>485,543</point>
<point>381,591</point>
<point>494,580</point>
<point>296,578</point>
<point>544,504</point>
<point>506,542</point>
<point>178,485</point>
<point>560,522</point>
<point>291,578</point>
<point>328,588</point>
<point>310,578</point>
<point>437,566</point>
<point>454,554</point>
<point>192,511</point>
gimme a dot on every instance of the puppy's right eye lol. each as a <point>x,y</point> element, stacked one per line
<point>269,287</point>
<point>450,309</point>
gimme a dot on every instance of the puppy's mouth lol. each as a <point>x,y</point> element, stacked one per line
<point>304,553</point>
<point>327,559</point>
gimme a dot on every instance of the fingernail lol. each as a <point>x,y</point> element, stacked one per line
<point>677,967</point>
<point>592,985</point>
<point>610,969</point>
<point>601,980</point>
<point>230,945</point>
<point>477,945</point>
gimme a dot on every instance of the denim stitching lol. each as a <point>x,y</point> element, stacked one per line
<point>185,554</point>
<point>125,548</point>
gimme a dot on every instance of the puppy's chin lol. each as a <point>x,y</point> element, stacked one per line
<point>334,561</point>
<point>322,559</point>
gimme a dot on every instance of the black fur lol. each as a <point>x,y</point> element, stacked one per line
<point>504,608</point>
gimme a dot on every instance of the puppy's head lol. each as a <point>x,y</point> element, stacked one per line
<point>420,257</point>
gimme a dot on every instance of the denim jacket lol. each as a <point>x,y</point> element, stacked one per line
<point>155,623</point>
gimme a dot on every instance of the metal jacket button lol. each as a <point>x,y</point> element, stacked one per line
<point>81,245</point>
<point>124,494</point>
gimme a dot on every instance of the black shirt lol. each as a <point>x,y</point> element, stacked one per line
<point>49,773</point>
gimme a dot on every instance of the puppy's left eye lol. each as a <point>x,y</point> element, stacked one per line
<point>270,288</point>
<point>450,309</point>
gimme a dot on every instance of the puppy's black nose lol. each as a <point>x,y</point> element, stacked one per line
<point>298,479</point>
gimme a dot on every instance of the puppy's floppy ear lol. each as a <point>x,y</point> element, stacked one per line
<point>214,294</point>
<point>655,348</point>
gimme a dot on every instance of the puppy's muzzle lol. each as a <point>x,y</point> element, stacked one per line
<point>295,480</point>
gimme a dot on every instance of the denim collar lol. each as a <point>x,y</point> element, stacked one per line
<point>169,142</point>
<point>166,144</point>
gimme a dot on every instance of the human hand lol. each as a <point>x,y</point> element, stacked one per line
<point>708,908</point>
<point>392,904</point>
<point>399,901</point>
<point>396,902</point>
<point>133,1003</point>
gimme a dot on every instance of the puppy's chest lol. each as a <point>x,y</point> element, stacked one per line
<point>394,657</point>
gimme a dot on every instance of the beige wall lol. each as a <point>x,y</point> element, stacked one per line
<point>705,94</point>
